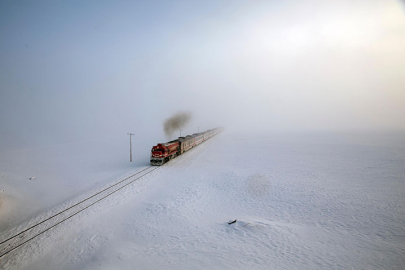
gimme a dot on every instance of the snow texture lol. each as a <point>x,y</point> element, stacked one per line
<point>301,202</point>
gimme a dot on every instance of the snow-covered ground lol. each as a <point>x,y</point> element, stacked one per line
<point>308,201</point>
<point>37,179</point>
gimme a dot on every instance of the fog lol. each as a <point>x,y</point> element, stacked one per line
<point>73,71</point>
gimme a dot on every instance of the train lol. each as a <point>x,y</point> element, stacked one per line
<point>164,152</point>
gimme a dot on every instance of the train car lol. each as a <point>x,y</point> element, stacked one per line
<point>206,135</point>
<point>186,143</point>
<point>163,152</point>
<point>199,138</point>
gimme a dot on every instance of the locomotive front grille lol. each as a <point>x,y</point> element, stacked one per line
<point>156,161</point>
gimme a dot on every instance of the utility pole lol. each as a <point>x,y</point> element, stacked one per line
<point>198,130</point>
<point>130,146</point>
<point>180,132</point>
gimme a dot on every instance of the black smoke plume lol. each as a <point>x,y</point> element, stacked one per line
<point>176,122</point>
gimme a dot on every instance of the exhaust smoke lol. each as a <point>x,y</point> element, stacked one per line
<point>176,122</point>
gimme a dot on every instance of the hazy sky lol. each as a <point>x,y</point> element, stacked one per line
<point>72,69</point>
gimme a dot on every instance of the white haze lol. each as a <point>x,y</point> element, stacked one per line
<point>77,76</point>
<point>76,71</point>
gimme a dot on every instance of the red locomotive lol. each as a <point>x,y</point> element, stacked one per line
<point>163,152</point>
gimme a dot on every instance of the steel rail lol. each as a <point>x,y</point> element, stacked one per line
<point>88,198</point>
<point>74,214</point>
<point>59,213</point>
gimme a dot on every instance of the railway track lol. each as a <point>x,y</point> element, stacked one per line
<point>23,237</point>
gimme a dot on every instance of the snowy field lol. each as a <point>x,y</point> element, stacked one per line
<point>309,201</point>
<point>34,180</point>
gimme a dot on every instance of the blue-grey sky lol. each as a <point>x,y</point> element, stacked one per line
<point>72,69</point>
